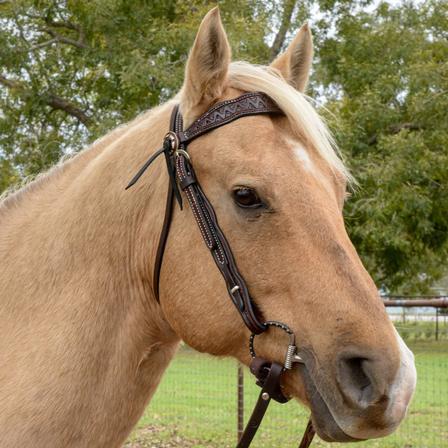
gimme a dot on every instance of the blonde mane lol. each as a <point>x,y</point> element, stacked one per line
<point>303,118</point>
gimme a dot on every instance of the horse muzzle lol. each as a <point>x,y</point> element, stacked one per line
<point>358,401</point>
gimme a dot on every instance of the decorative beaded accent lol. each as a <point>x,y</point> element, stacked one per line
<point>272,323</point>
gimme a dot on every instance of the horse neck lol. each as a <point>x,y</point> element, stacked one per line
<point>78,253</point>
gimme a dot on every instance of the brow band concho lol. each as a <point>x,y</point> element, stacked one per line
<point>182,175</point>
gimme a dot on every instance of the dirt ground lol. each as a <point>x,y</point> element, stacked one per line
<point>157,437</point>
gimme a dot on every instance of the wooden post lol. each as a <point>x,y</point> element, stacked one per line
<point>240,403</point>
<point>437,324</point>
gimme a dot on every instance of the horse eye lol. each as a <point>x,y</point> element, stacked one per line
<point>247,197</point>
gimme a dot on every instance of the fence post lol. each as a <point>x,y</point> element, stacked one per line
<point>437,324</point>
<point>240,403</point>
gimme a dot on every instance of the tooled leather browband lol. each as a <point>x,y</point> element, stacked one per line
<point>182,175</point>
<point>227,111</point>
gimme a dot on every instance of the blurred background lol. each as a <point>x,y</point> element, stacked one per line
<point>70,71</point>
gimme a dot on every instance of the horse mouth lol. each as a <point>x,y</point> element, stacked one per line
<point>324,423</point>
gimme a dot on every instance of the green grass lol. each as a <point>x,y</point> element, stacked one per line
<point>197,401</point>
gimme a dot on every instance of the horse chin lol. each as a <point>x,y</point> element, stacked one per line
<point>324,423</point>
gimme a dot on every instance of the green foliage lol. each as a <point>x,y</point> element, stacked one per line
<point>386,76</point>
<point>72,70</point>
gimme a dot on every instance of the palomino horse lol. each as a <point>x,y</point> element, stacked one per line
<point>84,342</point>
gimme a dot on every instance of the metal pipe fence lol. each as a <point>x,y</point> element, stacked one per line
<point>203,401</point>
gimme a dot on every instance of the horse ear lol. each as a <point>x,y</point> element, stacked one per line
<point>207,66</point>
<point>295,63</point>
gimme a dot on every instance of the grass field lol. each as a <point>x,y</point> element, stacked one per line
<point>195,406</point>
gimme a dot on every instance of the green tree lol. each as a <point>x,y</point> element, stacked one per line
<point>72,70</point>
<point>385,76</point>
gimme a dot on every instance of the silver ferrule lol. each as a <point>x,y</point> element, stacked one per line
<point>289,359</point>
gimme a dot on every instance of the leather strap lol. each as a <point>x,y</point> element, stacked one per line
<point>308,435</point>
<point>162,240</point>
<point>216,242</point>
<point>253,103</point>
<point>175,117</point>
<point>268,378</point>
<point>270,389</point>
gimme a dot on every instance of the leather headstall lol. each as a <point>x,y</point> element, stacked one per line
<point>182,177</point>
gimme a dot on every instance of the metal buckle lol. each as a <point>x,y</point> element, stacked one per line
<point>173,139</point>
<point>183,152</point>
<point>291,356</point>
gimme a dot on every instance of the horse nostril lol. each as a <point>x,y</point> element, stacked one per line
<point>355,382</point>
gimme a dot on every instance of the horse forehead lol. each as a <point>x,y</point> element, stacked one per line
<point>268,141</point>
<point>268,134</point>
<point>250,131</point>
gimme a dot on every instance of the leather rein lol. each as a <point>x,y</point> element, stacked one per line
<point>182,177</point>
